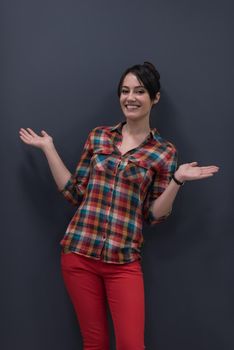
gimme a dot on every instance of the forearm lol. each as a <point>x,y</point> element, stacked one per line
<point>188,171</point>
<point>59,171</point>
<point>163,204</point>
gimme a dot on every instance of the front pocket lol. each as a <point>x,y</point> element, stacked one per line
<point>136,170</point>
<point>101,159</point>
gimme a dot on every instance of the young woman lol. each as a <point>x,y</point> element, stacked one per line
<point>127,173</point>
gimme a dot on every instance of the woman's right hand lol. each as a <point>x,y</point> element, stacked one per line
<point>29,137</point>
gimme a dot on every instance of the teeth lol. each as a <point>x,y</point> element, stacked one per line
<point>131,107</point>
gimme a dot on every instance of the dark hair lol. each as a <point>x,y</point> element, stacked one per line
<point>147,74</point>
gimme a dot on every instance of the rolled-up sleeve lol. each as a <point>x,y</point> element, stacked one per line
<point>75,187</point>
<point>165,168</point>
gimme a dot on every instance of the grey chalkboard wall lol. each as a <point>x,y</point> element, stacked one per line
<point>61,62</point>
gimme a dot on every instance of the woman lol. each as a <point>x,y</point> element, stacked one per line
<point>127,173</point>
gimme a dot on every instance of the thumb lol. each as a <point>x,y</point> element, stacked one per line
<point>193,163</point>
<point>43,132</point>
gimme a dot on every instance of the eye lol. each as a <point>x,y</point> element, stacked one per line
<point>124,91</point>
<point>140,91</point>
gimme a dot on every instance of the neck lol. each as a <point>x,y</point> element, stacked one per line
<point>137,127</point>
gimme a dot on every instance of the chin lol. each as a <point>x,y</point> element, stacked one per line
<point>131,114</point>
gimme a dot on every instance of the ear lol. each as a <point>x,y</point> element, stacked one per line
<point>157,98</point>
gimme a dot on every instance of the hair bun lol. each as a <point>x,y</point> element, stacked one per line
<point>152,68</point>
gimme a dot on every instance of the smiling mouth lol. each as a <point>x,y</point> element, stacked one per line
<point>131,107</point>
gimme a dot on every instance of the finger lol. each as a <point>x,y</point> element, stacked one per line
<point>209,168</point>
<point>203,176</point>
<point>193,163</point>
<point>31,132</point>
<point>209,173</point>
<point>23,133</point>
<point>25,139</point>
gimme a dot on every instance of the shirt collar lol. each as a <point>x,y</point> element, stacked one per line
<point>118,127</point>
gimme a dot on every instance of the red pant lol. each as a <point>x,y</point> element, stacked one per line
<point>91,284</point>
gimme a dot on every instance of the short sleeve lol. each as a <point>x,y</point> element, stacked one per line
<point>166,167</point>
<point>75,187</point>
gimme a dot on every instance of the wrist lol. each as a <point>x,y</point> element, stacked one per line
<point>179,176</point>
<point>177,180</point>
<point>48,148</point>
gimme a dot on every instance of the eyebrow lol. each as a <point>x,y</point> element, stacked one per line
<point>135,87</point>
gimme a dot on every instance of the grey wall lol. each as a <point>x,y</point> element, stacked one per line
<point>61,62</point>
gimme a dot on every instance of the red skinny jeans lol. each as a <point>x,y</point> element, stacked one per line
<point>91,284</point>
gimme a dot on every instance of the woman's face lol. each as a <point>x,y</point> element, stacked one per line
<point>134,98</point>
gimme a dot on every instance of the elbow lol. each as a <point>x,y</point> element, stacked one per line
<point>156,218</point>
<point>160,213</point>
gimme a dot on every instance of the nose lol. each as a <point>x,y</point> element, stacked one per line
<point>131,96</point>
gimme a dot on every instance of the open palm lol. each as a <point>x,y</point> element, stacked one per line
<point>190,171</point>
<point>29,137</point>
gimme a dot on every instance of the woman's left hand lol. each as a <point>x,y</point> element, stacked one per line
<point>191,171</point>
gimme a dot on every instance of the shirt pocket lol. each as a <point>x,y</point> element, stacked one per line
<point>136,171</point>
<point>101,160</point>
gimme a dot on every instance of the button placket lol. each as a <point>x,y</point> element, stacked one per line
<point>117,166</point>
<point>110,199</point>
<point>110,196</point>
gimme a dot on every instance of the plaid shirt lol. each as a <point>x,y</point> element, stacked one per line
<point>114,192</point>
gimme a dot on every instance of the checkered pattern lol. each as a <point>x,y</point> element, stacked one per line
<point>114,192</point>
